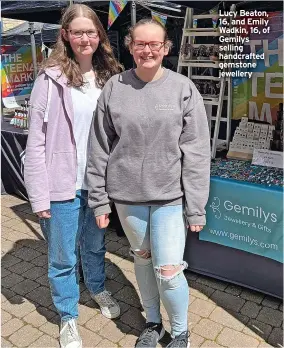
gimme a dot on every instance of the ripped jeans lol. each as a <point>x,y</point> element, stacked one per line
<point>157,237</point>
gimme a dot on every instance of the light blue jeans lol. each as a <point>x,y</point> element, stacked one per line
<point>161,231</point>
<point>72,225</point>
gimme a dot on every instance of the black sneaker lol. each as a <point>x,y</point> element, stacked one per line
<point>150,336</point>
<point>181,341</point>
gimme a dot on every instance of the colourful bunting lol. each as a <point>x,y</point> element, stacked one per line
<point>115,7</point>
<point>159,18</point>
<point>214,12</point>
<point>195,21</point>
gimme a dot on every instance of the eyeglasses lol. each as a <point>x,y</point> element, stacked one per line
<point>93,34</point>
<point>153,45</point>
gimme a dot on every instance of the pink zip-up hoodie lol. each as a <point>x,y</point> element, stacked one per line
<point>50,164</point>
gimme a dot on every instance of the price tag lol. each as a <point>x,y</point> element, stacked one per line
<point>268,158</point>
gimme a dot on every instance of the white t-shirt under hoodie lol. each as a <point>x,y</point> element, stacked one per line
<point>84,104</point>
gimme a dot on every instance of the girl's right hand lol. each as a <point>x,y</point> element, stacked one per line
<point>102,221</point>
<point>45,214</point>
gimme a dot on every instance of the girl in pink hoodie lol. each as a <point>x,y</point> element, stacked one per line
<point>63,100</point>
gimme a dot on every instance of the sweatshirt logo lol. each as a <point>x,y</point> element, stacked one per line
<point>164,107</point>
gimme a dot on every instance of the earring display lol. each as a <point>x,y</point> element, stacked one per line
<point>20,118</point>
<point>208,89</point>
<point>197,52</point>
<point>249,136</point>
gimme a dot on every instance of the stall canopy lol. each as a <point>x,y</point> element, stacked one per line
<point>44,11</point>
<point>20,35</point>
<point>50,11</point>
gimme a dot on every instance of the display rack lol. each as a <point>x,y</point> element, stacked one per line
<point>225,84</point>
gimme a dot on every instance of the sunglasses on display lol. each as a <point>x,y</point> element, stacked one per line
<point>153,45</point>
<point>93,34</point>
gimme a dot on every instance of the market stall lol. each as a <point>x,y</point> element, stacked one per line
<point>243,239</point>
<point>242,242</point>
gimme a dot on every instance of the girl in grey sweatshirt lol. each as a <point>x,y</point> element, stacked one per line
<point>150,155</point>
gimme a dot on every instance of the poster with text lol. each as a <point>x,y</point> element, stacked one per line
<point>17,74</point>
<point>259,96</point>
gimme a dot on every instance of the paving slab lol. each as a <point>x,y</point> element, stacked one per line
<point>114,332</point>
<point>271,302</point>
<point>128,341</point>
<point>5,316</point>
<point>196,340</point>
<point>231,338</point>
<point>250,309</point>
<point>270,316</point>
<point>45,341</point>
<point>19,306</point>
<point>89,338</point>
<point>202,307</point>
<point>221,316</point>
<point>208,329</point>
<point>210,344</point>
<point>10,327</point>
<point>227,301</point>
<point>5,343</point>
<point>251,295</point>
<point>276,337</point>
<point>257,329</point>
<point>25,336</point>
<point>25,287</point>
<point>134,319</point>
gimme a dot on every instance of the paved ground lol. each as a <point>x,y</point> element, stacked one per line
<point>220,314</point>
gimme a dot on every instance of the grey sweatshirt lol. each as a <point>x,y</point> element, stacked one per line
<point>149,145</point>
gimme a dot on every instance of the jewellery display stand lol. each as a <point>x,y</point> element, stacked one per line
<point>214,87</point>
<point>249,136</point>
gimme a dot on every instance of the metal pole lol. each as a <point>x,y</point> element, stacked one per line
<point>133,13</point>
<point>230,98</point>
<point>33,46</point>
<point>133,22</point>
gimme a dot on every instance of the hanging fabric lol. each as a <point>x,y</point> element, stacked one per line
<point>115,8</point>
<point>159,18</point>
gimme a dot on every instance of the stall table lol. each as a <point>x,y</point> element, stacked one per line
<point>229,263</point>
<point>13,141</point>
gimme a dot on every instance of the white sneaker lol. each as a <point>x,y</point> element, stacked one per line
<point>109,307</point>
<point>69,335</point>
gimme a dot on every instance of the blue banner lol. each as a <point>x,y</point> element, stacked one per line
<point>245,216</point>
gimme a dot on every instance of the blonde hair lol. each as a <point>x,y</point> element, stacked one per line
<point>128,40</point>
<point>104,62</point>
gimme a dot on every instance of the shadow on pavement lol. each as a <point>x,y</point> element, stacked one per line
<point>24,277</point>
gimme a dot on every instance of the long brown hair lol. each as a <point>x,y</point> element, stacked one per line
<point>104,63</point>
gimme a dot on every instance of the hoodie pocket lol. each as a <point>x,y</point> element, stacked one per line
<point>61,172</point>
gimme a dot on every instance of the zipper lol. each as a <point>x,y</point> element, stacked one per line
<point>69,113</point>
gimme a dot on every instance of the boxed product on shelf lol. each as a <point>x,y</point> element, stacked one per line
<point>20,118</point>
<point>249,136</point>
